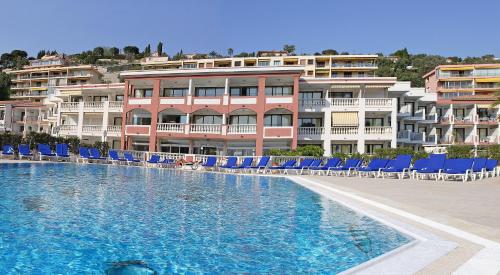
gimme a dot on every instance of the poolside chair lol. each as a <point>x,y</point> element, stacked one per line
<point>230,162</point>
<point>347,169</point>
<point>479,168</point>
<point>84,155</point>
<point>399,167</point>
<point>115,158</point>
<point>245,164</point>
<point>419,164</point>
<point>306,162</point>
<point>209,163</point>
<point>491,168</point>
<point>95,154</point>
<point>261,165</point>
<point>167,163</point>
<point>130,159</point>
<point>287,163</point>
<point>434,165</point>
<point>373,168</point>
<point>314,164</point>
<point>456,168</point>
<point>330,163</point>
<point>153,160</point>
<point>62,151</point>
<point>8,150</point>
<point>44,151</point>
<point>24,151</point>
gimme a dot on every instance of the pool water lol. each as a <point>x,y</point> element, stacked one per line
<point>85,219</point>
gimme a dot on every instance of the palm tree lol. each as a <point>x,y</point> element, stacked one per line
<point>230,52</point>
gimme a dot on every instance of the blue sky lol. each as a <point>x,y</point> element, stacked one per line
<point>446,27</point>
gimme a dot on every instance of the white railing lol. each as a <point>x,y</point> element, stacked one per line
<point>205,128</point>
<point>114,129</point>
<point>93,106</point>
<point>344,130</point>
<point>92,129</point>
<point>68,129</point>
<point>116,105</point>
<point>170,127</point>
<point>309,131</point>
<point>378,102</point>
<point>405,110</point>
<point>312,102</point>
<point>69,107</point>
<point>417,136</point>
<point>345,101</point>
<point>420,114</point>
<point>378,130</point>
<point>242,129</point>
<point>404,134</point>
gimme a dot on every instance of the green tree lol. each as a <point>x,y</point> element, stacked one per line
<point>15,59</point>
<point>330,52</point>
<point>147,50</point>
<point>403,53</point>
<point>131,50</point>
<point>159,49</point>
<point>213,54</point>
<point>230,52</point>
<point>40,54</point>
<point>114,51</point>
<point>4,86</point>
<point>98,51</point>
<point>179,55</point>
<point>290,49</point>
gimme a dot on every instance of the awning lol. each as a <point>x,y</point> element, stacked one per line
<point>449,90</point>
<point>489,79</point>
<point>485,106</point>
<point>377,86</point>
<point>345,86</point>
<point>345,119</point>
<point>464,68</point>
<point>70,92</point>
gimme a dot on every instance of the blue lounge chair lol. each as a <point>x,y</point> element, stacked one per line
<point>433,167</point>
<point>399,167</point>
<point>44,151</point>
<point>230,163</point>
<point>209,163</point>
<point>288,163</point>
<point>84,154</point>
<point>96,155</point>
<point>314,164</point>
<point>130,158</point>
<point>456,168</point>
<point>114,157</point>
<point>491,168</point>
<point>168,163</point>
<point>373,168</point>
<point>62,151</point>
<point>153,160</point>
<point>330,163</point>
<point>419,164</point>
<point>346,169</point>
<point>479,168</point>
<point>8,150</point>
<point>24,151</point>
<point>245,164</point>
<point>305,163</point>
<point>261,165</point>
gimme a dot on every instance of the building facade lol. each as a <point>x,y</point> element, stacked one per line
<point>464,98</point>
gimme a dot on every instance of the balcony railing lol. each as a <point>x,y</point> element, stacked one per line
<point>345,102</point>
<point>170,127</point>
<point>378,130</point>
<point>116,105</point>
<point>69,107</point>
<point>377,102</point>
<point>92,129</point>
<point>344,130</point>
<point>93,106</point>
<point>311,131</point>
<point>242,129</point>
<point>68,129</point>
<point>312,102</point>
<point>205,128</point>
<point>404,135</point>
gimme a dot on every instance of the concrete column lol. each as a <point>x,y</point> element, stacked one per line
<point>79,126</point>
<point>190,92</point>
<point>226,92</point>
<point>105,118</point>
<point>327,126</point>
<point>295,120</point>
<point>124,115</point>
<point>188,122</point>
<point>224,124</point>
<point>155,102</point>
<point>394,123</point>
<point>58,119</point>
<point>261,102</point>
<point>361,126</point>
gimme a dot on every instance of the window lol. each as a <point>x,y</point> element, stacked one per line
<point>140,93</point>
<point>173,119</point>
<point>277,63</point>
<point>343,148</point>
<point>310,62</point>
<point>119,97</point>
<point>197,119</point>
<point>243,91</point>
<point>348,74</point>
<point>277,120</point>
<point>189,66</point>
<point>310,122</point>
<point>237,63</point>
<point>207,91</point>
<point>174,92</point>
<point>310,95</point>
<point>361,74</point>
<point>100,98</point>
<point>263,63</point>
<point>370,148</point>
<point>341,94</point>
<point>141,120</point>
<point>243,119</point>
<point>370,122</point>
<point>279,90</point>
<point>335,74</point>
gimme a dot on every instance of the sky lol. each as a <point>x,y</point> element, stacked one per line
<point>445,27</point>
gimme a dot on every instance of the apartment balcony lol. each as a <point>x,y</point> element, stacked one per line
<point>278,132</point>
<point>489,140</point>
<point>488,120</point>
<point>465,121</point>
<point>70,130</point>
<point>310,133</point>
<point>416,138</point>
<point>69,107</point>
<point>205,129</point>
<point>378,132</point>
<point>430,118</point>
<point>114,131</point>
<point>241,129</point>
<point>92,130</point>
<point>313,105</point>
<point>171,127</point>
<point>345,133</point>
<point>92,106</point>
<point>138,130</point>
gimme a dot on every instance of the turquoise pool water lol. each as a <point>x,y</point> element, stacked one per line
<point>86,219</point>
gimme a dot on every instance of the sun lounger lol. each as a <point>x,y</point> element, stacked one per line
<point>288,163</point>
<point>479,168</point>
<point>96,155</point>
<point>434,165</point>
<point>373,168</point>
<point>130,158</point>
<point>62,151</point>
<point>209,163</point>
<point>84,154</point>
<point>230,162</point>
<point>247,163</point>
<point>346,169</point>
<point>306,162</point>
<point>399,167</point>
<point>44,151</point>
<point>419,164</point>
<point>167,163</point>
<point>330,163</point>
<point>492,168</point>
<point>8,150</point>
<point>153,160</point>
<point>24,151</point>
<point>314,164</point>
<point>114,157</point>
<point>456,168</point>
<point>261,165</point>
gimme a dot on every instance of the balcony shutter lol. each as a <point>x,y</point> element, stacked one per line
<point>345,119</point>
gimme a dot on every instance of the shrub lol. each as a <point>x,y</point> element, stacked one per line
<point>460,151</point>
<point>308,150</point>
<point>103,147</point>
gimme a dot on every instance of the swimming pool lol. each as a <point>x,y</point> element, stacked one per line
<point>67,218</point>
